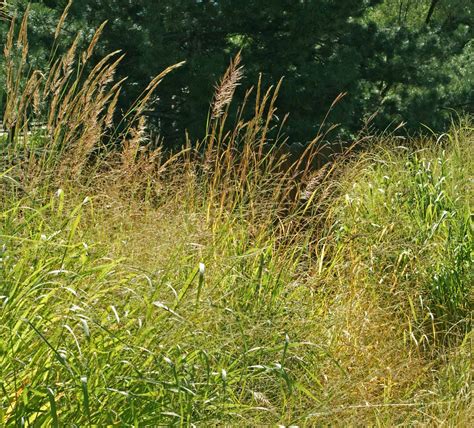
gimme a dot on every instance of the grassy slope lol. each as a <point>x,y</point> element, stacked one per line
<point>106,318</point>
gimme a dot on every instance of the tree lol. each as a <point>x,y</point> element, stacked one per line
<point>406,59</point>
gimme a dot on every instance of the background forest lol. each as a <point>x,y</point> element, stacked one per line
<point>405,60</point>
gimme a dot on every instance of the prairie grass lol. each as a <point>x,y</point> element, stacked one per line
<point>227,283</point>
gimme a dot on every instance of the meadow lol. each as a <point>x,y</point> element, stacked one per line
<point>224,284</point>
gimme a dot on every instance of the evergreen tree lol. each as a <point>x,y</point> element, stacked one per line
<point>408,60</point>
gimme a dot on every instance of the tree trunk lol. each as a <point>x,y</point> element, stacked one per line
<point>431,11</point>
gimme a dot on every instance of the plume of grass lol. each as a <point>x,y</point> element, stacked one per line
<point>249,163</point>
<point>225,90</point>
<point>61,20</point>
<point>78,103</point>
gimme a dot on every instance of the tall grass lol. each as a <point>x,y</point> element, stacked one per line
<point>77,102</point>
<point>230,283</point>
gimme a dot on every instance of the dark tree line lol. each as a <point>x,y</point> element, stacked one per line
<point>407,60</point>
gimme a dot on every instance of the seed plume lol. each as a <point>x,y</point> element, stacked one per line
<point>226,87</point>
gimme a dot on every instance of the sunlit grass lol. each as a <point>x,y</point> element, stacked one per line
<point>226,283</point>
<point>109,317</point>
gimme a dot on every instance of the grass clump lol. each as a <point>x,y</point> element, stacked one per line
<point>229,283</point>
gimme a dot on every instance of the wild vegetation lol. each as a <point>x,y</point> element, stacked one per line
<point>225,283</point>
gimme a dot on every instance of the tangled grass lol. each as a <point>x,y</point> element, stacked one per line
<point>227,283</point>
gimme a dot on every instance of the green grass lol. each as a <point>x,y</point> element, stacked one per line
<point>364,318</point>
<point>199,288</point>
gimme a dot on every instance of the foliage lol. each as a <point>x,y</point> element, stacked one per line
<point>406,60</point>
